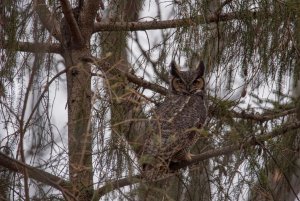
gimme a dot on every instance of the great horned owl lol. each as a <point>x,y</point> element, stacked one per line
<point>176,122</point>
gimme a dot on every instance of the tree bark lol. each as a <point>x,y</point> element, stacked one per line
<point>79,117</point>
<point>116,43</point>
<point>77,29</point>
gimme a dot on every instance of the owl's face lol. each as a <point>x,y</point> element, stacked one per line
<point>187,82</point>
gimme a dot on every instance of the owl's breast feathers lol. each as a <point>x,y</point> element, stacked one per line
<point>175,125</point>
<point>180,113</point>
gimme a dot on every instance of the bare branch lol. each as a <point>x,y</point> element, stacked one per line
<point>89,12</point>
<point>36,174</point>
<point>115,184</point>
<point>239,146</point>
<point>143,83</point>
<point>35,47</point>
<point>131,77</point>
<point>185,22</point>
<point>47,18</point>
<point>72,23</point>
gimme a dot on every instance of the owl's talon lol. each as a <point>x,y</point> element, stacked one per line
<point>189,156</point>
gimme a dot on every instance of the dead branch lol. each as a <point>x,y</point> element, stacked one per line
<point>145,84</point>
<point>36,174</point>
<point>130,77</point>
<point>34,47</point>
<point>185,22</point>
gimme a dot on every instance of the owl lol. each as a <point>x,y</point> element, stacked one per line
<point>176,123</point>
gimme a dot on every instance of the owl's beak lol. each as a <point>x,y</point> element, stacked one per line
<point>187,91</point>
<point>196,91</point>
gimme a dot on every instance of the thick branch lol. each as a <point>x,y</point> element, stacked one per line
<point>69,16</point>
<point>34,47</point>
<point>115,184</point>
<point>47,18</point>
<point>145,84</point>
<point>130,77</point>
<point>89,12</point>
<point>185,22</point>
<point>34,173</point>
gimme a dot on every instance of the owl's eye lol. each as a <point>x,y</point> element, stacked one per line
<point>178,85</point>
<point>179,81</point>
<point>198,83</point>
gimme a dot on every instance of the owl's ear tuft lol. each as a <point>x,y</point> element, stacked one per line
<point>174,69</point>
<point>200,69</point>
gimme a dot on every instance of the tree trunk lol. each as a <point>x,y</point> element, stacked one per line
<point>76,29</point>
<point>79,117</point>
<point>116,43</point>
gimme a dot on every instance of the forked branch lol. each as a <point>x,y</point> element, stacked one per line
<point>70,18</point>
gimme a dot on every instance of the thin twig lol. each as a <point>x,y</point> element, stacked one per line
<point>46,88</point>
<point>263,117</point>
<point>22,129</point>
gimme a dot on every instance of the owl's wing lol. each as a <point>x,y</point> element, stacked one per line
<point>175,125</point>
<point>158,135</point>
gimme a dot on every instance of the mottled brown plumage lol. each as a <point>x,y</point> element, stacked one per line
<point>176,123</point>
